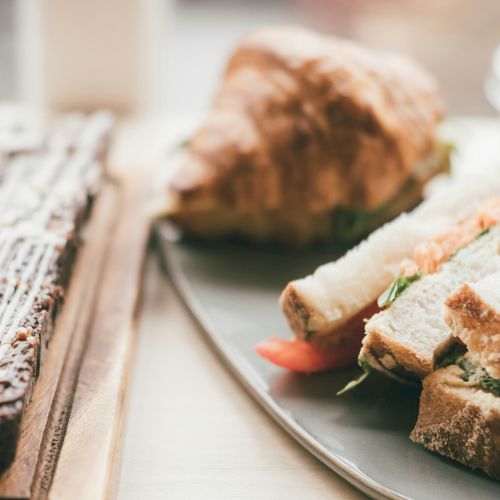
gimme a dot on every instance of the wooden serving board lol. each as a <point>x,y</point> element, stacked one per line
<point>77,403</point>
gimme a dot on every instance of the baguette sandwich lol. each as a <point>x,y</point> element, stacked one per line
<point>326,310</point>
<point>459,414</point>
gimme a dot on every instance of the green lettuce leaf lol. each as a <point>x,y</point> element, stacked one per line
<point>397,287</point>
<point>355,382</point>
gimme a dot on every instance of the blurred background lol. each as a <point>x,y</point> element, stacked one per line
<point>454,39</point>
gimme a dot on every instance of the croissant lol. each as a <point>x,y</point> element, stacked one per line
<point>310,137</point>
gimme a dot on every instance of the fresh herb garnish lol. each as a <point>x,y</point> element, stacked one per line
<point>490,384</point>
<point>485,381</point>
<point>483,233</point>
<point>354,383</point>
<point>398,286</point>
<point>480,235</point>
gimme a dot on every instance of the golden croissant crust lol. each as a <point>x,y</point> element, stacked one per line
<point>303,124</point>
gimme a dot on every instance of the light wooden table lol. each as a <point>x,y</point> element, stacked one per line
<point>192,432</point>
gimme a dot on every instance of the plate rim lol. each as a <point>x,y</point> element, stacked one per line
<point>251,383</point>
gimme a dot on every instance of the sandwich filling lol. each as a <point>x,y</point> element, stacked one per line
<point>472,373</point>
<point>477,376</point>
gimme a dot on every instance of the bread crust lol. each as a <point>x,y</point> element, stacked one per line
<point>455,421</point>
<point>394,357</point>
<point>477,322</point>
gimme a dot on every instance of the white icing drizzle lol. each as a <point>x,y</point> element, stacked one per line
<point>12,282</point>
<point>43,191</point>
<point>13,299</point>
<point>40,265</point>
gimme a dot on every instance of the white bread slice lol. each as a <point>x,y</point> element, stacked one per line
<point>317,305</point>
<point>474,315</point>
<point>409,337</point>
<point>459,421</point>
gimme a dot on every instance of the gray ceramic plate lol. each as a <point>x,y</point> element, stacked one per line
<point>363,435</point>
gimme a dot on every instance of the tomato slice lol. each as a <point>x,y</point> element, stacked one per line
<point>309,357</point>
<point>306,357</point>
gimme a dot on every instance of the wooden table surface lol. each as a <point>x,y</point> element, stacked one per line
<point>192,431</point>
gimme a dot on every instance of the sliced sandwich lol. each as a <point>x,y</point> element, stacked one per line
<point>326,310</point>
<point>459,414</point>
<point>410,337</point>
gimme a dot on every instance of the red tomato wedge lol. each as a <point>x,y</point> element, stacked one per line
<point>309,357</point>
<point>305,357</point>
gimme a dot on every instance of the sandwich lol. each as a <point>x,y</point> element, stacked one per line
<point>409,337</point>
<point>380,280</point>
<point>310,138</point>
<point>459,415</point>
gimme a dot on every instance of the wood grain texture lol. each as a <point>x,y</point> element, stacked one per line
<point>90,453</point>
<point>45,419</point>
